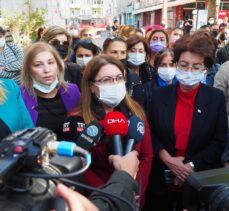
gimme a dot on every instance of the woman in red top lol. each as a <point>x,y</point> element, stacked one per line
<point>188,124</point>
<point>103,90</point>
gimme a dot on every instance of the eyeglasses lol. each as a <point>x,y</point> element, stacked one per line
<point>195,67</point>
<point>87,35</point>
<point>58,42</point>
<point>108,80</point>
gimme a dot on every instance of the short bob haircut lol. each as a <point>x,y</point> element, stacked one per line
<point>135,39</point>
<point>158,30</point>
<point>159,56</point>
<point>109,41</point>
<point>88,100</point>
<point>200,42</point>
<point>30,53</point>
<point>52,31</point>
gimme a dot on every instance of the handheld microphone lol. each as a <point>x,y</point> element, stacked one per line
<point>136,131</point>
<point>115,126</point>
<point>72,128</point>
<point>90,136</point>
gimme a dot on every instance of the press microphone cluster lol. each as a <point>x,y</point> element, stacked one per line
<point>115,125</point>
<point>85,136</point>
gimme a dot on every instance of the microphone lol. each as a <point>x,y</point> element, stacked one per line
<point>136,131</point>
<point>115,126</point>
<point>72,128</point>
<point>90,136</point>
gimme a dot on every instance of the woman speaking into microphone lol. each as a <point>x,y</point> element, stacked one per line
<point>103,92</point>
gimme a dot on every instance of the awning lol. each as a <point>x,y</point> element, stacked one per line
<point>159,6</point>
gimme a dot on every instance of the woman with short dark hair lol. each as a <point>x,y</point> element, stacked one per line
<point>188,124</point>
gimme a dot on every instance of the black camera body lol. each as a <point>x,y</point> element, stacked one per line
<point>208,189</point>
<point>26,152</point>
<point>23,149</point>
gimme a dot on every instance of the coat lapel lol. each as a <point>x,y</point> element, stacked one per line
<point>199,114</point>
<point>169,112</point>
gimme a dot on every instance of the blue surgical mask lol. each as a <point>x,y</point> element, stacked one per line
<point>156,46</point>
<point>136,59</point>
<point>189,78</point>
<point>166,73</point>
<point>45,88</point>
<point>82,62</point>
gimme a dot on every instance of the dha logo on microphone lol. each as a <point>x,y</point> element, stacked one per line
<point>141,128</point>
<point>92,131</point>
<point>112,121</point>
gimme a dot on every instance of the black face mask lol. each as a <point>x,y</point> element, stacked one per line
<point>62,50</point>
<point>222,37</point>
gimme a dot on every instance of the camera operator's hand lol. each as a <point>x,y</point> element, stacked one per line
<point>75,201</point>
<point>176,165</point>
<point>128,163</point>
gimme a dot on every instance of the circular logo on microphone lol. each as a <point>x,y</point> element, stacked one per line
<point>92,131</point>
<point>141,128</point>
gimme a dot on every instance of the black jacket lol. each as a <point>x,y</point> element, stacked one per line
<point>134,82</point>
<point>222,55</point>
<point>208,135</point>
<point>72,73</point>
<point>121,184</point>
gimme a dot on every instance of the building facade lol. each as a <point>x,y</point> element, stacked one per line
<point>147,12</point>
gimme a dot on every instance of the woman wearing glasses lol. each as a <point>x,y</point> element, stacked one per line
<point>47,96</point>
<point>103,90</point>
<point>61,40</point>
<point>188,124</point>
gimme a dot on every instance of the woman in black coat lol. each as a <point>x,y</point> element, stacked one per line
<point>188,124</point>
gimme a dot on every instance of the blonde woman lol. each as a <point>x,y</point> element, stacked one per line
<point>13,113</point>
<point>47,96</point>
<point>104,76</point>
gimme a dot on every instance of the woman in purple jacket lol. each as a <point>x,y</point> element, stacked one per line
<point>47,96</point>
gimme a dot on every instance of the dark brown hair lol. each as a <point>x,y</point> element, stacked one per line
<point>109,41</point>
<point>135,39</point>
<point>200,43</point>
<point>159,56</point>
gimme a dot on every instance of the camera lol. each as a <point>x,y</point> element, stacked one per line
<point>27,152</point>
<point>208,189</point>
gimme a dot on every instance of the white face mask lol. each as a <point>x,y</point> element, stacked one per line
<point>2,42</point>
<point>74,32</point>
<point>166,73</point>
<point>189,78</point>
<point>112,95</point>
<point>45,88</point>
<point>82,62</point>
<point>136,58</point>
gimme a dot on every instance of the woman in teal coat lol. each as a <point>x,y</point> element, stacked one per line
<point>13,112</point>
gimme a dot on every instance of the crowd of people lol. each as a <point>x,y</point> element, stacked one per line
<point>176,81</point>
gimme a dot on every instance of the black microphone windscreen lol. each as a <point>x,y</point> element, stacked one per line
<point>90,136</point>
<point>72,127</point>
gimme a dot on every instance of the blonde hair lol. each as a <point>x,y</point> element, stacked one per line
<point>85,29</point>
<point>52,31</point>
<point>2,93</point>
<point>92,69</point>
<point>30,53</point>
